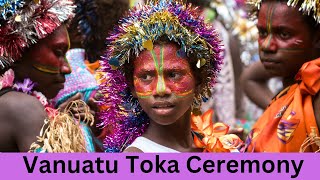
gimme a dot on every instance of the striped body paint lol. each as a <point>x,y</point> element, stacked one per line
<point>161,71</point>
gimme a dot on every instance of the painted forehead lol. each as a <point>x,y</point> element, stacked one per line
<point>58,43</point>
<point>152,70</point>
<point>53,48</point>
<point>278,13</point>
<point>170,52</point>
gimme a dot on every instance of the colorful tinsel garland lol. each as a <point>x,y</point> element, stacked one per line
<point>308,7</point>
<point>144,25</point>
<point>23,23</point>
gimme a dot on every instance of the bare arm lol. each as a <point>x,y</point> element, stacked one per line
<point>132,149</point>
<point>24,116</point>
<point>254,82</point>
<point>237,68</point>
<point>316,107</point>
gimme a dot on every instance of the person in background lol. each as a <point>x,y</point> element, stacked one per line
<point>33,43</point>
<point>256,87</point>
<point>224,93</point>
<point>289,40</point>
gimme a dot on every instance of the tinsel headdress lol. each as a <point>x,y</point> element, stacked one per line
<point>24,22</point>
<point>144,25</point>
<point>308,7</point>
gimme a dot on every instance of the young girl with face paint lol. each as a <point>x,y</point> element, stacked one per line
<point>165,86</point>
<point>160,63</point>
<point>289,48</point>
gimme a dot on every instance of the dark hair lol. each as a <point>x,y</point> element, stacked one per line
<point>2,71</point>
<point>108,14</point>
<point>309,19</point>
<point>312,23</point>
<point>200,3</point>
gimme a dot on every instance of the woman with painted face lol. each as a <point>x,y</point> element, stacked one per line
<point>289,41</point>
<point>161,62</point>
<point>33,44</point>
<point>45,64</point>
<point>88,29</point>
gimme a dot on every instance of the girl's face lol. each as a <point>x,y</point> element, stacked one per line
<point>164,83</point>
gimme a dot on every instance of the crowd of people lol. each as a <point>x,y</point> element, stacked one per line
<point>161,76</point>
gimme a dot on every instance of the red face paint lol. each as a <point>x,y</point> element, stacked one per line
<point>280,28</point>
<point>164,84</point>
<point>45,64</point>
<point>55,51</point>
<point>161,71</point>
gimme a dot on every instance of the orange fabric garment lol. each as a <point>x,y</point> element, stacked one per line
<point>288,120</point>
<point>92,67</point>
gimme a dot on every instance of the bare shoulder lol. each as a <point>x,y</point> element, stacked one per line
<point>132,150</point>
<point>23,116</point>
<point>15,104</point>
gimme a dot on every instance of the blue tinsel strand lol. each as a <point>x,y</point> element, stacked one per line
<point>9,8</point>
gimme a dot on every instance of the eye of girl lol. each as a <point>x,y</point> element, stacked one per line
<point>59,53</point>
<point>145,77</point>
<point>284,35</point>
<point>262,33</point>
<point>174,75</point>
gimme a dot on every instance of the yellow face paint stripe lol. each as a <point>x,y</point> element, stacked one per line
<point>159,68</point>
<point>267,42</point>
<point>46,69</point>
<point>144,94</point>
<point>161,75</point>
<point>69,42</point>
<point>54,70</point>
<point>180,95</point>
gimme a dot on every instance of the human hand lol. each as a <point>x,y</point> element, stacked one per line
<point>65,105</point>
<point>237,131</point>
<point>93,108</point>
<point>79,109</point>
